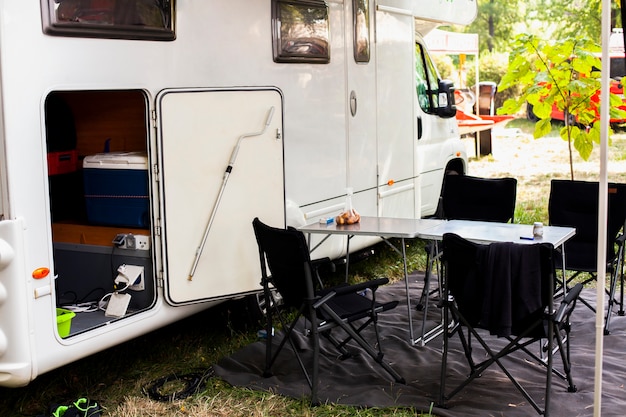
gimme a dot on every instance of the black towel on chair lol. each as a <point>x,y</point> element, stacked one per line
<point>512,287</point>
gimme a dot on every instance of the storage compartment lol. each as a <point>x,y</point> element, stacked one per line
<point>106,132</point>
<point>86,273</point>
<point>116,189</point>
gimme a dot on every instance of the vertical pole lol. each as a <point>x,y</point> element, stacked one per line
<point>602,206</point>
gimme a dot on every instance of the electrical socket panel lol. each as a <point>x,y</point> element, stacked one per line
<point>131,241</point>
<point>142,242</point>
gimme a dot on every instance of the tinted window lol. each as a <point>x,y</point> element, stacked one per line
<point>128,19</point>
<point>301,31</point>
<point>426,81</point>
<point>361,30</point>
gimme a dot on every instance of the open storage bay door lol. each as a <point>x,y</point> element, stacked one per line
<point>221,165</point>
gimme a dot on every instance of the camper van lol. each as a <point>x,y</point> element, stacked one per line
<point>139,139</point>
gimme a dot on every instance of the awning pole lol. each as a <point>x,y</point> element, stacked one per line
<point>602,205</point>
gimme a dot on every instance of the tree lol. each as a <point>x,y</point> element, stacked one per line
<point>563,74</point>
<point>575,18</point>
<point>495,23</point>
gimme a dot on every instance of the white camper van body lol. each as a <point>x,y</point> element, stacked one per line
<point>222,132</point>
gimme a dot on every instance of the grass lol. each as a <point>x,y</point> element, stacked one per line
<point>118,377</point>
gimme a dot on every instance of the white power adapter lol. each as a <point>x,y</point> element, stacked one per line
<point>132,276</point>
<point>118,304</point>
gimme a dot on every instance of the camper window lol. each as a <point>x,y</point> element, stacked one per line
<point>300,31</point>
<point>129,19</point>
<point>426,81</point>
<point>361,30</point>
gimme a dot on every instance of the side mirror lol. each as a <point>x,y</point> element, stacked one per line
<point>447,107</point>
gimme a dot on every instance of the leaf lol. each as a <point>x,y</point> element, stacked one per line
<point>564,133</point>
<point>510,106</point>
<point>542,109</point>
<point>583,144</point>
<point>542,128</point>
<point>594,133</point>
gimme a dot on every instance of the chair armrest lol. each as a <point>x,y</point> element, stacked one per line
<point>571,297</point>
<point>317,263</point>
<point>373,285</point>
<point>329,293</point>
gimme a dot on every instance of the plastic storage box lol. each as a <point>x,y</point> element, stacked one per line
<point>116,189</point>
<point>64,321</point>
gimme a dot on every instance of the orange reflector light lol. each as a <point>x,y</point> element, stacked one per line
<point>458,154</point>
<point>390,182</point>
<point>40,273</point>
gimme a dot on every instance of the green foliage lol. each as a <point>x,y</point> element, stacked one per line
<point>563,74</point>
<point>570,19</point>
<point>492,67</point>
<point>445,66</point>
<point>495,23</point>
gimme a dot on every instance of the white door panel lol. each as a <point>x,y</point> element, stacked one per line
<point>199,132</point>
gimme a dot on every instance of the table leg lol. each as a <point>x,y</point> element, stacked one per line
<point>348,256</point>
<point>406,284</point>
<point>408,296</point>
<point>426,337</point>
<point>563,270</point>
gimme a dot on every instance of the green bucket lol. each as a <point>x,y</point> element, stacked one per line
<point>64,321</point>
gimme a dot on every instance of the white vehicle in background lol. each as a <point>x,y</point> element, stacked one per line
<point>139,139</point>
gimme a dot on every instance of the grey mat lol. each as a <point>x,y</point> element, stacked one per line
<point>359,381</point>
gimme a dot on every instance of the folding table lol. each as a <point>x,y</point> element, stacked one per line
<point>433,229</point>
<point>384,227</point>
<point>490,232</point>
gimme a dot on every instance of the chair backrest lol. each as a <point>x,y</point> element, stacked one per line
<point>575,204</point>
<point>501,287</point>
<point>472,198</point>
<point>286,254</point>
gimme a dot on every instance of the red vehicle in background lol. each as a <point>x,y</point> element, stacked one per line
<point>617,73</point>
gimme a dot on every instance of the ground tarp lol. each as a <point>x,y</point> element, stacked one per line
<point>359,381</point>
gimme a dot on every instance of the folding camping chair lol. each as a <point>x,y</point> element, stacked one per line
<point>468,198</point>
<point>505,289</point>
<point>482,199</point>
<point>286,254</point>
<point>575,204</point>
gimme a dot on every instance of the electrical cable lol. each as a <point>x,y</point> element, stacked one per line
<point>86,307</point>
<point>192,384</point>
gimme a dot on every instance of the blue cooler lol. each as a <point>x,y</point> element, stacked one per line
<point>116,189</point>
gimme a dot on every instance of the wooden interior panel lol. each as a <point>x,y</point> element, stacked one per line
<point>120,116</point>
<point>90,235</point>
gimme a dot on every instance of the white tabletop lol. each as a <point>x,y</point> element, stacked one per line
<point>386,227</point>
<point>487,232</point>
